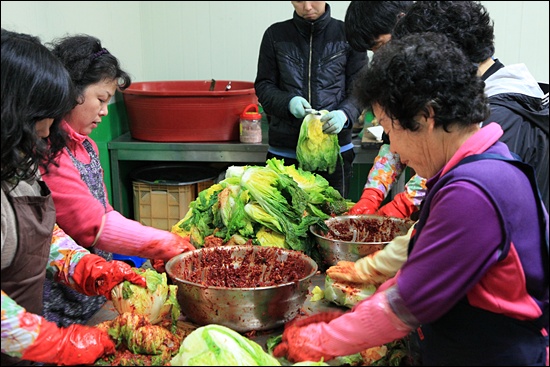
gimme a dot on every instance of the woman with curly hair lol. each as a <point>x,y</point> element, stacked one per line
<point>475,284</point>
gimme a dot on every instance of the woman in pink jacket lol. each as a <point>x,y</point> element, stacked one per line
<point>76,178</point>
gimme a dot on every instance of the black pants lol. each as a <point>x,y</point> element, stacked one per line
<point>340,179</point>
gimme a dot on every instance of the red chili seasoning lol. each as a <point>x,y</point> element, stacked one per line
<point>243,267</point>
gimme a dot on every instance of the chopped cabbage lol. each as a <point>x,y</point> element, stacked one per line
<point>156,301</point>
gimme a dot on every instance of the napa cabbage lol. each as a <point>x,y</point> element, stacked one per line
<point>251,199</point>
<point>157,301</point>
<point>317,151</point>
<point>269,237</point>
<point>217,345</point>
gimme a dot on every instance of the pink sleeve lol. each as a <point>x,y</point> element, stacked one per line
<point>371,323</point>
<point>79,213</point>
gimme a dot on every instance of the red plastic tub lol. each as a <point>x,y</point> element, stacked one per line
<point>187,110</point>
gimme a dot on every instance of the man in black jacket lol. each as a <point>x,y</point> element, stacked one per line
<point>306,62</point>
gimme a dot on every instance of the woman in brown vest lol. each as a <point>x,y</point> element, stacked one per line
<point>36,92</point>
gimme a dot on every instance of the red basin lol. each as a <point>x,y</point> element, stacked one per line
<point>187,110</point>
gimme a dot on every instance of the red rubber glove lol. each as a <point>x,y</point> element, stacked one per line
<point>401,206</point>
<point>183,242</point>
<point>158,265</point>
<point>368,203</point>
<point>71,346</point>
<point>95,276</point>
<point>291,346</point>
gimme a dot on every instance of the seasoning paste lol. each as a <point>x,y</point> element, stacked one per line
<point>243,267</point>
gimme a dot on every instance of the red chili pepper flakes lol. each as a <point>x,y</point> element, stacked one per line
<point>260,268</point>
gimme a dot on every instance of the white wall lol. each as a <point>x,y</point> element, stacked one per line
<point>169,40</point>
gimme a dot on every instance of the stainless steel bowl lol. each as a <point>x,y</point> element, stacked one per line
<point>247,308</point>
<point>351,237</point>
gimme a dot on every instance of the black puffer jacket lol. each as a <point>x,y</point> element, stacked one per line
<point>311,60</point>
<point>516,105</point>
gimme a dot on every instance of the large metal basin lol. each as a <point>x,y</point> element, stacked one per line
<point>351,237</point>
<point>242,308</point>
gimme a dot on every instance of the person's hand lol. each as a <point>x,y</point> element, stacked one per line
<point>401,206</point>
<point>94,275</point>
<point>333,122</point>
<point>369,202</point>
<point>297,107</point>
<point>129,237</point>
<point>345,271</point>
<point>158,265</point>
<point>300,335</point>
<point>182,243</point>
<point>71,346</point>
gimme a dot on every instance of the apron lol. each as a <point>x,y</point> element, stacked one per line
<point>64,305</point>
<point>23,279</point>
<point>515,342</point>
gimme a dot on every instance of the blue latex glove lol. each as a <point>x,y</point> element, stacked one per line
<point>297,106</point>
<point>334,122</point>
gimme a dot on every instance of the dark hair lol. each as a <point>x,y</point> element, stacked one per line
<point>467,23</point>
<point>35,86</point>
<point>88,62</point>
<point>424,69</point>
<point>365,21</point>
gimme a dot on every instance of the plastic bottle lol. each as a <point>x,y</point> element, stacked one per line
<point>251,125</point>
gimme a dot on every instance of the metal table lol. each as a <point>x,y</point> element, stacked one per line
<point>125,148</point>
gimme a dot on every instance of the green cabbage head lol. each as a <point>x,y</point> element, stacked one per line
<point>156,301</point>
<point>217,345</point>
<point>317,151</point>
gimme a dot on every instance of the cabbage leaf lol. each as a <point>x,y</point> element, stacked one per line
<point>217,345</point>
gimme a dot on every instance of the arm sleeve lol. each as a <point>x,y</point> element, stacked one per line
<point>355,62</point>
<point>415,190</point>
<point>384,264</point>
<point>79,213</point>
<point>371,323</point>
<point>386,169</point>
<point>64,255</point>
<point>19,327</point>
<point>274,100</point>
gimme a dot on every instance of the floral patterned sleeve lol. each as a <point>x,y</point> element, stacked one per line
<point>386,169</point>
<point>21,328</point>
<point>64,255</point>
<point>416,190</point>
